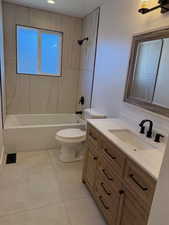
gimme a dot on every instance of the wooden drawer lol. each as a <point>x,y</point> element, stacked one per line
<point>137,180</point>
<point>108,201</point>
<point>108,175</point>
<point>132,213</point>
<point>113,157</point>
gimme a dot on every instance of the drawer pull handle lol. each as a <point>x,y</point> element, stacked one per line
<point>138,184</point>
<point>91,135</point>
<point>95,158</point>
<point>102,185</point>
<point>105,206</point>
<point>107,176</point>
<point>108,153</point>
<point>121,192</point>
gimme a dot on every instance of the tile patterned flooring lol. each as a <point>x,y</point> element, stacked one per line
<point>40,190</point>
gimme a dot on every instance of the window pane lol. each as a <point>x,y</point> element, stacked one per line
<point>27,50</point>
<point>51,53</point>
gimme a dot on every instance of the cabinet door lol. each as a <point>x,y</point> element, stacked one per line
<point>91,167</point>
<point>132,212</point>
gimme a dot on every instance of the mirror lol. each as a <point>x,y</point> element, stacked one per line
<point>148,55</point>
<point>161,94</point>
<point>148,75</point>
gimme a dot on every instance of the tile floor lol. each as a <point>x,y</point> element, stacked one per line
<point>40,190</point>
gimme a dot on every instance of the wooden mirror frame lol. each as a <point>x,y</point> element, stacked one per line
<point>150,36</point>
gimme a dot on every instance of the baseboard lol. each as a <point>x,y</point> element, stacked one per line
<point>2,156</point>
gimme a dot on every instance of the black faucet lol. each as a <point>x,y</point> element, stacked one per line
<point>150,131</point>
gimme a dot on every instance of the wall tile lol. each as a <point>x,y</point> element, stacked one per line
<point>68,91</point>
<point>88,50</point>
<point>37,94</point>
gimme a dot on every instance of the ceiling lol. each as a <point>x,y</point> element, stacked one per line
<point>79,8</point>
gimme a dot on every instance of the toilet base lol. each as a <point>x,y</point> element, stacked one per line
<point>71,152</point>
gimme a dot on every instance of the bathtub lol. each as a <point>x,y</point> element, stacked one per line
<point>33,132</point>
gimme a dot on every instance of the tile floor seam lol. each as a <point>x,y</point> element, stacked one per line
<point>65,201</point>
<point>54,167</point>
<point>69,219</point>
<point>31,209</point>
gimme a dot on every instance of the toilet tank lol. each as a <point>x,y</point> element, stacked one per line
<point>92,114</point>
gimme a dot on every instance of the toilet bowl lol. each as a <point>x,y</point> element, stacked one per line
<point>72,144</point>
<point>72,141</point>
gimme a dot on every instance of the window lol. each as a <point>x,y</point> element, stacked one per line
<point>38,51</point>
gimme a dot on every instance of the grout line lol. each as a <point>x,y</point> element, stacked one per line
<point>31,209</point>
<point>67,214</point>
<point>54,165</point>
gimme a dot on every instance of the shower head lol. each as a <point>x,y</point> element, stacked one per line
<point>80,42</point>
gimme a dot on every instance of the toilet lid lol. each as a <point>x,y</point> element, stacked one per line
<point>71,133</point>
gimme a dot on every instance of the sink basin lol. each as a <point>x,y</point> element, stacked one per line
<point>131,139</point>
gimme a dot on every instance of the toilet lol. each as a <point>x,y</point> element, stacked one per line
<point>72,140</point>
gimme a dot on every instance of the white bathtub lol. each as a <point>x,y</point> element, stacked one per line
<point>32,132</point>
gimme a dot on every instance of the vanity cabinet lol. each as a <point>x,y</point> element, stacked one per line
<point>122,190</point>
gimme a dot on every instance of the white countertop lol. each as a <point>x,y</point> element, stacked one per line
<point>149,160</point>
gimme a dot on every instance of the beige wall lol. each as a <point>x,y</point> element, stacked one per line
<point>88,51</point>
<point>37,94</point>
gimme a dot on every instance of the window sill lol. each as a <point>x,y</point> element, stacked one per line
<point>39,75</point>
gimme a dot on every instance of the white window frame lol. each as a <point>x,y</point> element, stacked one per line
<point>40,31</point>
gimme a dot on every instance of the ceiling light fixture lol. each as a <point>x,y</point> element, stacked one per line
<point>51,1</point>
<point>163,4</point>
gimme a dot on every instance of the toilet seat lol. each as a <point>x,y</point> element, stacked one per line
<point>71,136</point>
